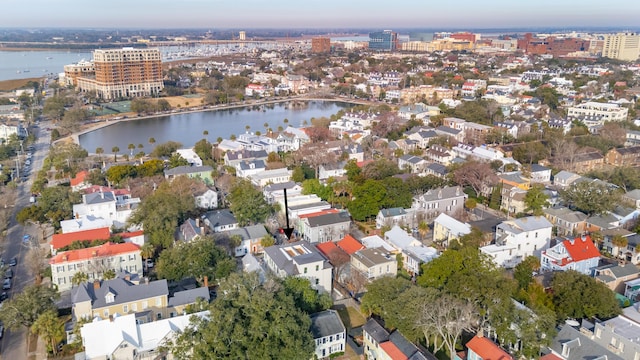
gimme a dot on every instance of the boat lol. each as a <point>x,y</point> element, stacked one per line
<point>49,57</point>
<point>26,70</point>
<point>18,72</point>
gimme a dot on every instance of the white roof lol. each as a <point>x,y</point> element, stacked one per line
<point>424,253</point>
<point>400,239</point>
<point>102,338</point>
<point>457,227</point>
<point>375,241</point>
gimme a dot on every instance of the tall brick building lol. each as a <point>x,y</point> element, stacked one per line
<point>320,45</point>
<point>124,73</point>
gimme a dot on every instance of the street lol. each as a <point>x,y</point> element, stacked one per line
<point>14,343</point>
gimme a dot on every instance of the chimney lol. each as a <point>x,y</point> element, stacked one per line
<point>96,284</point>
<point>110,318</point>
<point>197,222</point>
<point>206,281</point>
<point>146,280</point>
<point>127,277</point>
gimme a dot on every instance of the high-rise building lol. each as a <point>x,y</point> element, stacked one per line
<point>386,40</point>
<point>243,35</point>
<point>124,73</point>
<point>622,46</point>
<point>320,45</point>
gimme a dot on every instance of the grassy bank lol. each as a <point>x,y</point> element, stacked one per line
<point>9,85</point>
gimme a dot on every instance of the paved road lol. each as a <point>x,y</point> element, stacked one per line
<point>13,344</point>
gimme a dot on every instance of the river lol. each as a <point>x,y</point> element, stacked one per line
<point>188,128</point>
<point>35,64</point>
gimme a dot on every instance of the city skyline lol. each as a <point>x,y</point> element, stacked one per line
<point>252,14</point>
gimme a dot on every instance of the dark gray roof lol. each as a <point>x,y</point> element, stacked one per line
<point>189,229</point>
<point>620,271</point>
<point>189,296</point>
<point>538,167</point>
<point>396,211</point>
<point>186,169</point>
<point>99,197</point>
<point>279,186</point>
<point>220,218</point>
<point>404,345</point>
<point>443,193</point>
<point>123,290</point>
<point>328,219</point>
<point>246,154</point>
<point>283,263</point>
<point>580,347</point>
<point>249,232</point>
<point>306,206</point>
<point>376,331</point>
<point>326,323</point>
<point>257,164</point>
<point>438,168</point>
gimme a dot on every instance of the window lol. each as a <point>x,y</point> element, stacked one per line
<point>145,305</point>
<point>106,313</point>
<point>159,301</point>
<point>159,316</point>
<point>134,307</point>
<point>317,281</point>
<point>305,270</point>
<point>125,308</point>
<point>317,267</point>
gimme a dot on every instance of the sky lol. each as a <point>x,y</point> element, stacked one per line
<point>282,14</point>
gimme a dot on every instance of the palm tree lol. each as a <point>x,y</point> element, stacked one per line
<point>109,274</point>
<point>131,147</point>
<point>247,127</point>
<point>280,128</point>
<point>147,251</point>
<point>232,137</point>
<point>206,134</point>
<point>50,328</point>
<point>266,127</point>
<point>286,121</point>
<point>152,141</point>
<point>115,151</point>
<point>99,151</point>
<point>79,278</point>
<point>140,146</point>
<point>219,139</point>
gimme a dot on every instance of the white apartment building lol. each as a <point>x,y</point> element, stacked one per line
<point>595,113</point>
<point>107,205</point>
<point>300,259</point>
<point>519,238</point>
<point>622,46</point>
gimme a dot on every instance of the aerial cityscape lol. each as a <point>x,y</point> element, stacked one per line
<point>320,180</point>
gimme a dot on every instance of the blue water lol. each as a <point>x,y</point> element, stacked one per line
<point>35,64</point>
<point>188,128</point>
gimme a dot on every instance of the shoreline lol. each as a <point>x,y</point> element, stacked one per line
<point>75,137</point>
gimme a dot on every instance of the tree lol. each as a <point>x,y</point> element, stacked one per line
<point>115,151</point>
<point>248,204</point>
<point>523,272</point>
<point>248,321</point>
<point>368,199</point>
<point>380,293</point>
<point>50,328</point>
<point>176,160</point>
<point>199,258</point>
<point>147,251</point>
<point>79,277</point>
<point>267,241</point>
<point>530,152</point>
<point>24,308</point>
<point>131,147</point>
<point>166,149</point>
<point>152,141</point>
<point>591,197</point>
<point>118,173</point>
<point>304,296</point>
<point>578,296</point>
<point>536,200</point>
<point>478,175</point>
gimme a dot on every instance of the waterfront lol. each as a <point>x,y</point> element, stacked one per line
<point>188,128</point>
<point>36,63</point>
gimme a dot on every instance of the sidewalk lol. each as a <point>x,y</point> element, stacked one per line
<point>40,352</point>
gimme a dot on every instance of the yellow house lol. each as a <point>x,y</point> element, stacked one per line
<point>149,301</point>
<point>515,179</point>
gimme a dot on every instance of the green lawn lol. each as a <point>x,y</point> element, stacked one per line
<point>351,317</point>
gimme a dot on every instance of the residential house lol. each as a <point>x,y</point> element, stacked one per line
<point>392,216</point>
<point>325,226</point>
<point>353,151</point>
<point>115,210</point>
<point>616,275</point>
<point>572,343</point>
<point>564,179</point>
<point>632,197</point>
<point>220,220</point>
<point>190,155</point>
<point>512,200</point>
<point>233,158</point>
<point>540,174</point>
<point>449,200</point>
<point>374,263</point>
<point>400,239</point>
<point>375,241</point>
<point>515,179</point>
<point>423,136</point>
<point>567,222</point>
<point>247,168</point>
<point>380,344</point>
<point>207,199</point>
<point>275,192</point>
<point>414,256</point>
<point>61,241</point>
<point>300,259</point>
<point>251,239</point>
<point>79,182</point>
<point>191,229</point>
<point>516,239</point>
<point>349,244</point>
<point>482,348</point>
<point>329,334</point>
<point>335,170</point>
<point>202,173</point>
<point>83,223</point>
<point>447,229</point>
<point>94,262</point>
<point>417,111</point>
<point>123,338</point>
<point>273,176</point>
<point>619,334</point>
<point>414,164</point>
<point>633,138</point>
<point>579,254</point>
<point>439,154</point>
<point>586,162</point>
<point>437,170</point>
<point>628,156</point>
<point>454,135</point>
<point>148,300</point>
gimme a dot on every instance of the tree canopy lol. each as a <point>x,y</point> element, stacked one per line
<point>248,204</point>
<point>24,308</point>
<point>248,321</point>
<point>578,296</point>
<point>198,258</point>
<point>591,197</point>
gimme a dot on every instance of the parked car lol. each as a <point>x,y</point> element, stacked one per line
<point>149,263</point>
<point>8,274</point>
<point>13,261</point>
<point>3,296</point>
<point>6,285</point>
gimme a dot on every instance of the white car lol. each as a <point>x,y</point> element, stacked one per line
<point>149,263</point>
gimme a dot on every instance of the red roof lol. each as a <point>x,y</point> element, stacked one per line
<point>551,356</point>
<point>350,245</point>
<point>105,250</point>
<point>61,240</point>
<point>392,351</point>
<point>318,213</point>
<point>581,249</point>
<point>131,234</point>
<point>79,179</point>
<point>487,349</point>
<point>363,163</point>
<point>326,248</point>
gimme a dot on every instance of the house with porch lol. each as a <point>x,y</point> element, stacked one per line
<point>566,222</point>
<point>202,173</point>
<point>392,216</point>
<point>579,254</point>
<point>448,200</point>
<point>325,226</point>
<point>329,334</point>
<point>300,259</point>
<point>447,229</point>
